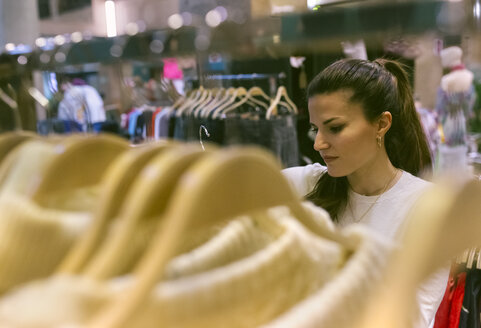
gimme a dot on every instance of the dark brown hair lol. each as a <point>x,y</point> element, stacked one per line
<point>378,86</point>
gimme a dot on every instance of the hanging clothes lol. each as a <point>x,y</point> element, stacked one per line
<point>278,134</point>
<point>470,312</point>
<point>444,310</point>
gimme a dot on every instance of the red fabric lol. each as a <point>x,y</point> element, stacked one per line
<point>442,315</point>
<point>157,111</point>
<point>449,310</point>
<point>458,67</point>
<point>457,301</point>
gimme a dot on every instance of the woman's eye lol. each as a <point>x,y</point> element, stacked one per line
<point>336,128</point>
<point>313,129</point>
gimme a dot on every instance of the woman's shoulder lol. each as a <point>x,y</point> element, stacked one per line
<point>413,184</point>
<point>304,178</point>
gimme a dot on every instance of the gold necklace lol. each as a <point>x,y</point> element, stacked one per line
<point>377,198</point>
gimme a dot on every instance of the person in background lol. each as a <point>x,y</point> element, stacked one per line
<point>82,104</point>
<point>369,135</point>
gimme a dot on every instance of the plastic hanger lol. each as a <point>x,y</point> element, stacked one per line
<point>79,162</point>
<point>118,179</point>
<point>442,224</point>
<point>218,187</point>
<point>147,199</point>
<point>281,92</point>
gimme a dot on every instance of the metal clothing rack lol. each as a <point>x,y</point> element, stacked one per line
<point>274,79</point>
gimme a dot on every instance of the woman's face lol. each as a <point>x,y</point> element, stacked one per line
<point>344,138</point>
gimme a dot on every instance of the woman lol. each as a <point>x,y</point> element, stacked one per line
<point>370,137</point>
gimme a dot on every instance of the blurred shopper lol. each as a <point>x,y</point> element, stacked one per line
<point>370,137</point>
<point>454,105</point>
<point>82,104</point>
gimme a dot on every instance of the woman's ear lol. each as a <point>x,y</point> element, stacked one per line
<point>384,123</point>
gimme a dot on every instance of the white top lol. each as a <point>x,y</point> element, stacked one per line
<point>385,218</point>
<point>82,103</point>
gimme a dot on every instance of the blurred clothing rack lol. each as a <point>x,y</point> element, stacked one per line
<point>273,80</point>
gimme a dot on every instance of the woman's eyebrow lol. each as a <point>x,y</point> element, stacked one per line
<point>330,120</point>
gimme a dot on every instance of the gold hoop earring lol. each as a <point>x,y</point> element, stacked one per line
<point>379,141</point>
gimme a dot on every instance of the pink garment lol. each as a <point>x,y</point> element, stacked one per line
<point>171,69</point>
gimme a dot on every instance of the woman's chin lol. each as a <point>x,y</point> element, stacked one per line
<point>335,173</point>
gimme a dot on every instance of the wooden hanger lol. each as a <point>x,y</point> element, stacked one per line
<point>258,92</point>
<point>219,96</point>
<point>442,224</point>
<point>80,162</point>
<point>478,260</point>
<point>224,98</point>
<point>196,108</point>
<point>281,92</point>
<point>218,187</point>
<point>216,113</point>
<point>118,179</point>
<point>470,261</point>
<point>203,98</point>
<point>148,198</point>
<point>248,97</point>
<point>195,96</point>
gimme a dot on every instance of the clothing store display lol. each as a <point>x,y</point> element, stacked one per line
<point>224,121</point>
<point>274,266</point>
<point>278,134</point>
<point>443,313</point>
<point>41,219</point>
<point>457,302</point>
<point>34,239</point>
<point>386,217</point>
<point>470,311</point>
<point>295,263</point>
<point>346,293</point>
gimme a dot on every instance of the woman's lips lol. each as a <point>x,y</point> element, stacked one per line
<point>329,159</point>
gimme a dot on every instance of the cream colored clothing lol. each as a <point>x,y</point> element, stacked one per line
<point>341,303</point>
<point>251,290</point>
<point>385,218</point>
<point>33,239</point>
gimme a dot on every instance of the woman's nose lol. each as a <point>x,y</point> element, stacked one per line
<point>320,143</point>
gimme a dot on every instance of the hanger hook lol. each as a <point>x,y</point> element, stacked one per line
<point>202,127</point>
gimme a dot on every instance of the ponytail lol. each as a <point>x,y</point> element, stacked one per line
<point>408,147</point>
